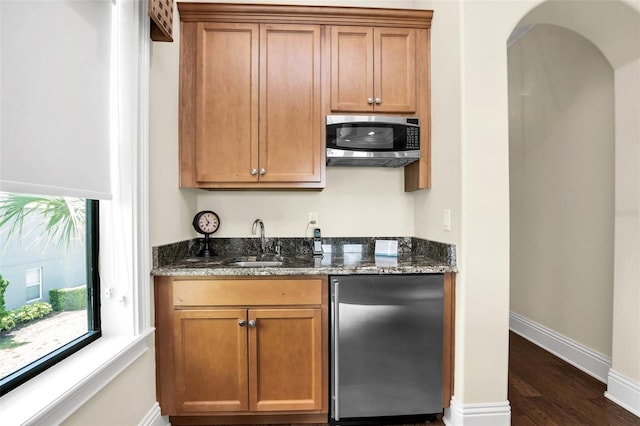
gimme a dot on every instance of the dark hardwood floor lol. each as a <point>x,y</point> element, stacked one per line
<point>545,390</point>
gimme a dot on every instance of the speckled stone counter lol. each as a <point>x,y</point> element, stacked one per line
<point>348,256</point>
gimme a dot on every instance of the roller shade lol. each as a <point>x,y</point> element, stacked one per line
<point>54,97</point>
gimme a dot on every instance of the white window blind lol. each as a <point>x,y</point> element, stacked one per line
<point>55,97</point>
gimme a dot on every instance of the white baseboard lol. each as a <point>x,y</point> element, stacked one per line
<point>591,362</point>
<point>624,391</point>
<point>488,414</point>
<point>154,417</point>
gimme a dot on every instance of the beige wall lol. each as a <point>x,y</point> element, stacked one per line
<point>356,202</point>
<point>125,401</point>
<point>626,311</point>
<point>561,108</point>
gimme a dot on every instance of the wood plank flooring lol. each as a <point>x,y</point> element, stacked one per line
<point>545,390</point>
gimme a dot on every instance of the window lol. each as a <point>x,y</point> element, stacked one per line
<point>33,285</point>
<point>45,321</point>
<point>50,397</point>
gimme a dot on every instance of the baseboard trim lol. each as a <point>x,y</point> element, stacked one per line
<point>154,417</point>
<point>487,414</point>
<point>586,359</point>
<point>624,391</point>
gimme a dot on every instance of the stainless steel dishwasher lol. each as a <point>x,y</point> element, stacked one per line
<point>386,356</point>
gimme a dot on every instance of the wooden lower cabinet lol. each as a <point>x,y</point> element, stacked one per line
<point>263,362</point>
<point>211,361</point>
<point>285,360</point>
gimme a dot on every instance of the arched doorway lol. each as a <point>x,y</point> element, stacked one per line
<point>561,176</point>
<point>614,28</point>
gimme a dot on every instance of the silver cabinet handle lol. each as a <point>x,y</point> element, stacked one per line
<point>254,172</point>
<point>252,323</point>
<point>336,341</point>
<point>370,101</point>
<point>378,100</point>
<point>263,171</point>
<point>242,323</point>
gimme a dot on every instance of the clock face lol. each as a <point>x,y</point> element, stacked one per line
<point>206,222</point>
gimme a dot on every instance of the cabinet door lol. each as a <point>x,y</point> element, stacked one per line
<point>210,360</point>
<point>285,359</point>
<point>351,69</point>
<point>290,114</point>
<point>395,70</point>
<point>227,102</point>
<point>373,69</point>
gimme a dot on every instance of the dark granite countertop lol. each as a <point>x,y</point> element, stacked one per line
<point>415,256</point>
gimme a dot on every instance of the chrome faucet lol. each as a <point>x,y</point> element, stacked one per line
<point>253,231</point>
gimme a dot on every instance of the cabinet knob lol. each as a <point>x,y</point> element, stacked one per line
<point>263,171</point>
<point>254,172</point>
<point>242,323</point>
<point>378,100</point>
<point>370,101</point>
<point>252,323</point>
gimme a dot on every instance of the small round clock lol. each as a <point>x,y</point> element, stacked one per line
<point>206,223</point>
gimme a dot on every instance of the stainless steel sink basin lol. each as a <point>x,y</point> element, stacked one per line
<point>255,261</point>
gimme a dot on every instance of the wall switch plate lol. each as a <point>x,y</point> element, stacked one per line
<point>446,219</point>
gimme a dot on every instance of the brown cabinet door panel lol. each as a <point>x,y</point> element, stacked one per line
<point>290,115</point>
<point>395,70</point>
<point>351,69</point>
<point>373,69</point>
<point>285,359</point>
<point>210,360</point>
<point>227,102</point>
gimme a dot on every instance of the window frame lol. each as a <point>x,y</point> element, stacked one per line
<point>39,284</point>
<point>94,330</point>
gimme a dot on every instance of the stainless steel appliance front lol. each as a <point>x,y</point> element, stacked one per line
<point>372,141</point>
<point>386,346</point>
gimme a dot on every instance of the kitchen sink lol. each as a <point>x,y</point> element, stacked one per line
<point>254,261</point>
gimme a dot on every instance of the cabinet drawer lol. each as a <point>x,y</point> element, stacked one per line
<point>262,292</point>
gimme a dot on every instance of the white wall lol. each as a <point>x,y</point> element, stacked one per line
<point>356,202</point>
<point>171,208</point>
<point>561,127</point>
<point>626,311</point>
<point>445,130</point>
<point>121,403</point>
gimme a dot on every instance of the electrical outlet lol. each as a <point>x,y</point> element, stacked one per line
<point>313,218</point>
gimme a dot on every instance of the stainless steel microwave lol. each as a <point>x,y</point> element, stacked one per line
<point>372,140</point>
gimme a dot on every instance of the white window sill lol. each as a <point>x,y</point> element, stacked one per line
<point>54,395</point>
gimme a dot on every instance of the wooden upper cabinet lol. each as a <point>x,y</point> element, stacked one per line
<point>290,104</point>
<point>226,145</point>
<point>373,69</point>
<point>257,81</point>
<point>257,118</point>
